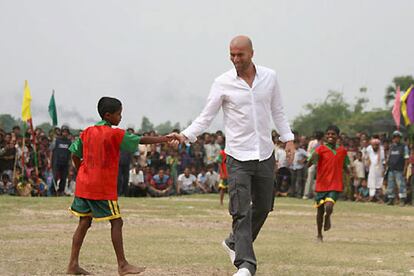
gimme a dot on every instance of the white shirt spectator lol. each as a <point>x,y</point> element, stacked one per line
<point>280,156</point>
<point>359,168</point>
<point>212,151</point>
<point>212,179</point>
<point>136,177</point>
<point>300,154</point>
<point>247,114</point>
<point>187,183</point>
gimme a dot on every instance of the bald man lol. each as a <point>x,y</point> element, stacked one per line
<point>249,96</point>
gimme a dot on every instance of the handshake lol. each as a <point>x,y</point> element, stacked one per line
<point>174,139</point>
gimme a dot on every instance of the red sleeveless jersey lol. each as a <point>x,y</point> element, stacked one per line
<point>223,167</point>
<point>98,172</point>
<point>329,176</point>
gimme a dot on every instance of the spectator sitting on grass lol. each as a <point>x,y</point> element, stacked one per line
<point>186,183</point>
<point>202,181</point>
<point>6,186</point>
<point>137,185</point>
<point>161,185</point>
<point>38,185</point>
<point>363,192</point>
<point>212,179</point>
<point>23,187</point>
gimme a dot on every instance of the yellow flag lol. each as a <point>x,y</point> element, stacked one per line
<point>27,98</point>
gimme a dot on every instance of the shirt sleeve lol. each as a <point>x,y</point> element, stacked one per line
<point>203,121</point>
<point>130,142</point>
<point>346,161</point>
<point>77,148</point>
<point>278,115</point>
<point>313,153</point>
<point>406,153</point>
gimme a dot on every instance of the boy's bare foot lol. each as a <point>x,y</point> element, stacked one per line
<point>130,269</point>
<point>327,224</point>
<point>77,270</point>
<point>319,239</point>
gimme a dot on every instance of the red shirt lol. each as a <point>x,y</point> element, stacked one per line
<point>223,167</point>
<point>329,175</point>
<point>98,172</point>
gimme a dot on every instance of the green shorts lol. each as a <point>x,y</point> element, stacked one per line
<point>97,209</point>
<point>223,184</point>
<point>322,197</point>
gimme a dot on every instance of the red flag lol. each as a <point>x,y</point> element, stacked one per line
<point>396,110</point>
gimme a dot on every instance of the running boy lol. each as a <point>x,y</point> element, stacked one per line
<point>96,155</point>
<point>331,160</point>
<point>222,186</point>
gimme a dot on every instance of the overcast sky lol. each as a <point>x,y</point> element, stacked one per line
<point>160,57</point>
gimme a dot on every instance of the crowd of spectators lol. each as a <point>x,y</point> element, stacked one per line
<point>381,166</point>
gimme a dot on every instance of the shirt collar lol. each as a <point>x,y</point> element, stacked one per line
<point>103,123</point>
<point>257,76</point>
<point>330,146</point>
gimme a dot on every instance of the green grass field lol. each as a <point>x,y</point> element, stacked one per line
<point>182,236</point>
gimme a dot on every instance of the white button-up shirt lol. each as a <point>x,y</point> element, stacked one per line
<point>247,113</point>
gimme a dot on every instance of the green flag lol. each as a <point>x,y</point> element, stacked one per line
<point>52,109</point>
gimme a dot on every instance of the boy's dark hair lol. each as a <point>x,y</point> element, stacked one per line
<point>333,128</point>
<point>5,176</point>
<point>108,105</point>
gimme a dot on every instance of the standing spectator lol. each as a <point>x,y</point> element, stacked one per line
<point>61,158</point>
<point>376,170</point>
<point>172,163</point>
<point>71,185</point>
<point>153,157</point>
<point>197,153</point>
<point>310,181</point>
<point>298,171</point>
<point>283,174</point>
<point>358,169</point>
<point>186,183</point>
<point>7,157</point>
<point>211,149</point>
<point>397,168</point>
<point>123,173</point>
<point>185,159</point>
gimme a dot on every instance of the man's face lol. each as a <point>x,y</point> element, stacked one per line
<point>396,139</point>
<point>207,139</point>
<point>331,137</point>
<point>375,147</point>
<point>241,57</point>
<point>161,173</point>
<point>187,172</point>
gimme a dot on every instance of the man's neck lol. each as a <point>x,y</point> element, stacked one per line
<point>249,73</point>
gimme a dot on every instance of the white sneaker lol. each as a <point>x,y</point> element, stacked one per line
<point>230,252</point>
<point>242,272</point>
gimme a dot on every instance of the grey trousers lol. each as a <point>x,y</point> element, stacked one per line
<point>251,199</point>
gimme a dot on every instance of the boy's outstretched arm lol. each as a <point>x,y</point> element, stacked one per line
<point>158,139</point>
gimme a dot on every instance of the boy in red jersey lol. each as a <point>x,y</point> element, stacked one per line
<point>223,185</point>
<point>331,162</point>
<point>96,156</point>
